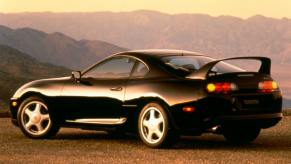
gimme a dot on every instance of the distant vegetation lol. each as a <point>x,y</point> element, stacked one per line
<point>287,103</point>
<point>18,68</point>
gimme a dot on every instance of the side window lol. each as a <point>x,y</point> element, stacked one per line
<point>189,63</point>
<point>139,70</point>
<point>117,67</point>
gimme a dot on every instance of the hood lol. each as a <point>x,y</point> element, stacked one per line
<point>47,87</point>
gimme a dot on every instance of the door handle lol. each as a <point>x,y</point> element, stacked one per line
<point>116,89</point>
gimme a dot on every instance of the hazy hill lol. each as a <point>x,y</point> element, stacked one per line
<point>287,103</point>
<point>56,48</point>
<point>18,68</point>
<point>218,36</point>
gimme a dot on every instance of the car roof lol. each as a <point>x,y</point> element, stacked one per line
<point>157,53</point>
<point>150,56</point>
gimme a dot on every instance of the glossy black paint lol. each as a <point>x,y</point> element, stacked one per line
<point>69,98</point>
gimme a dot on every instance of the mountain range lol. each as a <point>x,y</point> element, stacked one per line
<point>56,48</point>
<point>221,36</point>
<point>18,68</point>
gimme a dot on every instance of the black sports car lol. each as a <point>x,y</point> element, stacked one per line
<point>161,94</point>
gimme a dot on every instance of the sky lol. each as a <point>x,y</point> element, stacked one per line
<point>238,8</point>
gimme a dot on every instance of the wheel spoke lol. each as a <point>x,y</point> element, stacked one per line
<point>159,120</point>
<point>37,108</point>
<point>145,123</point>
<point>45,117</point>
<point>28,124</point>
<point>152,114</point>
<point>39,127</point>
<point>158,133</point>
<point>150,135</point>
<point>28,112</point>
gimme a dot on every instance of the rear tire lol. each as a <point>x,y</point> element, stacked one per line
<point>154,127</point>
<point>34,119</point>
<point>240,134</point>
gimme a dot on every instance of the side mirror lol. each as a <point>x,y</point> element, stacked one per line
<point>76,75</point>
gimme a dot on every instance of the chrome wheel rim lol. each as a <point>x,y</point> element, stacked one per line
<point>152,125</point>
<point>35,118</point>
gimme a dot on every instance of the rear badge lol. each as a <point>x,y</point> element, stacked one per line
<point>251,102</point>
<point>245,75</point>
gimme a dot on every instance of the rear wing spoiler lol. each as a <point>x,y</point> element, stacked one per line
<point>202,73</point>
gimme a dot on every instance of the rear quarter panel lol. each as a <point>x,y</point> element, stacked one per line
<point>171,91</point>
<point>174,93</point>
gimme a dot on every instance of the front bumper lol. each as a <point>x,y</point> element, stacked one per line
<point>14,105</point>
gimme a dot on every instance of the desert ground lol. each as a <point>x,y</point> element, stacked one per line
<point>82,146</point>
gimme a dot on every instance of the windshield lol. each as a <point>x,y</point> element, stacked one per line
<point>189,64</point>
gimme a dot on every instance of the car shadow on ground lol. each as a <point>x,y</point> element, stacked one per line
<point>207,141</point>
<point>96,135</point>
<point>218,142</point>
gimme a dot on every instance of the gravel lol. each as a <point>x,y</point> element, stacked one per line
<point>81,146</point>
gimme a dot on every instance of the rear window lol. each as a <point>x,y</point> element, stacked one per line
<point>189,64</point>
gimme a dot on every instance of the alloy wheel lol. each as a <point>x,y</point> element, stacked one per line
<point>153,125</point>
<point>35,118</point>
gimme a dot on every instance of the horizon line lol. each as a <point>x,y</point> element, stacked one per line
<point>144,10</point>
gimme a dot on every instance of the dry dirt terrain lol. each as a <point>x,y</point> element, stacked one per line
<point>76,146</point>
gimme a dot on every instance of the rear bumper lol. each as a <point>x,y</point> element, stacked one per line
<point>259,120</point>
<point>203,124</point>
<point>217,114</point>
<point>261,110</point>
<point>252,117</point>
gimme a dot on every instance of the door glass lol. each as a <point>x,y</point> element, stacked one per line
<point>117,67</point>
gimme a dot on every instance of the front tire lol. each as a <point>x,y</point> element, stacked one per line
<point>34,119</point>
<point>154,127</point>
<point>240,134</point>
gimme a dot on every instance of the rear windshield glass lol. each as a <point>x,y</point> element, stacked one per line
<point>189,64</point>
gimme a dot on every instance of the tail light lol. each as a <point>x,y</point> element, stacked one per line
<point>221,87</point>
<point>267,86</point>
